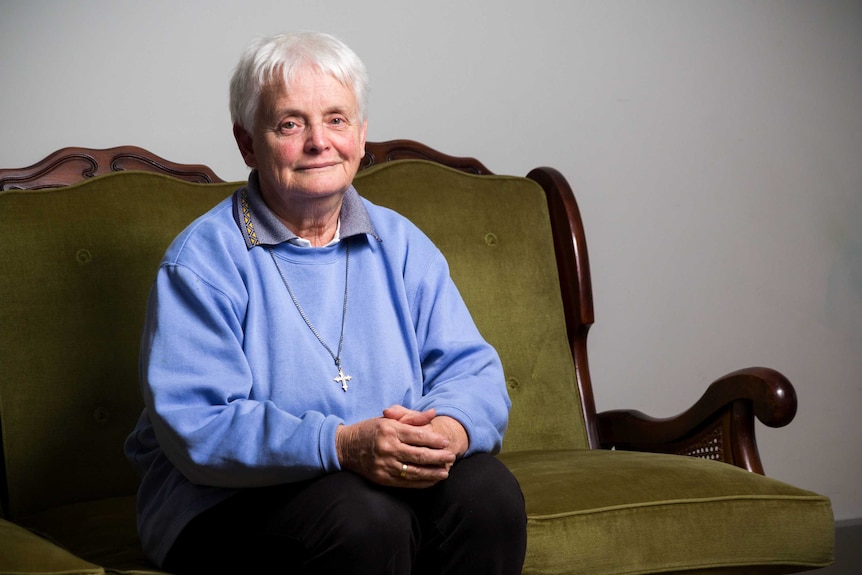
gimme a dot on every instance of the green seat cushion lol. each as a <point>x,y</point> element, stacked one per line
<point>21,551</point>
<point>101,531</point>
<point>595,511</point>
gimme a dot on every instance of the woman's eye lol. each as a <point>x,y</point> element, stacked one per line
<point>288,126</point>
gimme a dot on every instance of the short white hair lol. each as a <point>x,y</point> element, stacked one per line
<point>285,55</point>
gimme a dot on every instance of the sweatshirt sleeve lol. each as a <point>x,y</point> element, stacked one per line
<point>197,390</point>
<point>462,373</point>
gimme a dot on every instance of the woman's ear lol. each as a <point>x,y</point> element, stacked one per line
<point>245,143</point>
<point>363,133</point>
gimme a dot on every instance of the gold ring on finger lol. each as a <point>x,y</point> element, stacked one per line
<point>403,470</point>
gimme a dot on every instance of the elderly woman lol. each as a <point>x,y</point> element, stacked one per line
<point>318,399</point>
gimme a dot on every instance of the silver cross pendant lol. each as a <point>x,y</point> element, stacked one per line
<point>342,379</point>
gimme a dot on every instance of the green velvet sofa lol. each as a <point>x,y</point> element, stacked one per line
<point>81,234</point>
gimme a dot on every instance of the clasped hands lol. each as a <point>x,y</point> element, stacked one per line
<point>403,448</point>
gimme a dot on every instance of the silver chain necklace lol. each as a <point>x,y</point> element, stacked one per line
<point>342,378</point>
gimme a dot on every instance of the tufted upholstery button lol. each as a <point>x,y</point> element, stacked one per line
<point>101,415</point>
<point>491,239</point>
<point>513,383</point>
<point>83,256</point>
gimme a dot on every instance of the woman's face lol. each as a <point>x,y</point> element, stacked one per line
<point>307,142</point>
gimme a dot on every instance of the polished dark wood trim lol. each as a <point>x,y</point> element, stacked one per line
<point>573,267</point>
<point>730,405</point>
<point>74,164</point>
<point>380,152</point>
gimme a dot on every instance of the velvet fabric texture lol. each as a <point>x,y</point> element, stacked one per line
<point>596,511</point>
<point>26,552</point>
<point>495,233</point>
<point>77,264</point>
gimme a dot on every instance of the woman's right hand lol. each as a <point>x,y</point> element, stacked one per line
<point>379,448</point>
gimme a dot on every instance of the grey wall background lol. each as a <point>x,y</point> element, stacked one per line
<point>715,148</point>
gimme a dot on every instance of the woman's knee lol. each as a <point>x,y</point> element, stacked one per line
<point>364,521</point>
<point>485,480</point>
<point>479,519</point>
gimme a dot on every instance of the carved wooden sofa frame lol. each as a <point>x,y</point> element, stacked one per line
<point>720,426</point>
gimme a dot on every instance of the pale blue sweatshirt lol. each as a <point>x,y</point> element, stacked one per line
<point>239,392</point>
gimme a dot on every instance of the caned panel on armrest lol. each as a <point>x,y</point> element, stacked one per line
<point>76,265</point>
<point>495,233</point>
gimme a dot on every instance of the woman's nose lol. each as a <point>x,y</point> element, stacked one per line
<point>316,139</point>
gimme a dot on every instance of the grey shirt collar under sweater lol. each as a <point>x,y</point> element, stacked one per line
<point>260,226</point>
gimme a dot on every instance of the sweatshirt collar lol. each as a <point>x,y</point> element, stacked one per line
<point>260,226</point>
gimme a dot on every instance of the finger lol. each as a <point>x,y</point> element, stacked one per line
<point>422,436</point>
<point>424,457</point>
<point>419,476</point>
<point>395,412</point>
<point>410,416</point>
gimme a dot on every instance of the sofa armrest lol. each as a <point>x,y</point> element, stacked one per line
<point>720,425</point>
<point>22,551</point>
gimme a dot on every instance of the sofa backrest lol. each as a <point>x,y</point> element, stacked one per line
<point>495,233</point>
<point>76,266</point>
<point>77,263</point>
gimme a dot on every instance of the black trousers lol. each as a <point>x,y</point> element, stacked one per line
<point>473,523</point>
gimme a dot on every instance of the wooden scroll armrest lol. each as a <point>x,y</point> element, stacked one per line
<point>719,426</point>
